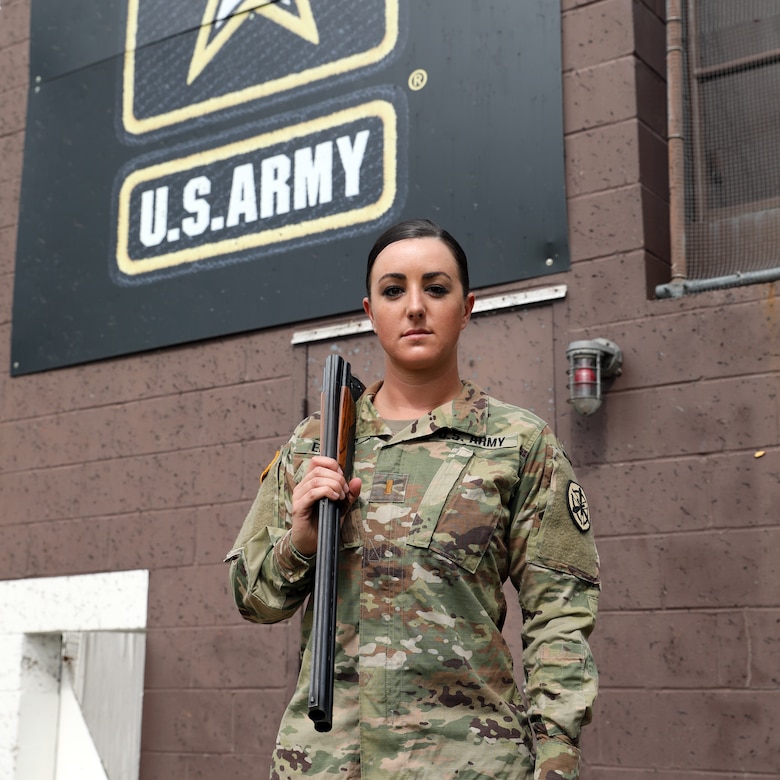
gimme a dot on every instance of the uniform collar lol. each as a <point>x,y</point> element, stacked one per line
<point>467,413</point>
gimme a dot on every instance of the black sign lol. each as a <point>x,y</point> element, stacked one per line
<point>200,168</point>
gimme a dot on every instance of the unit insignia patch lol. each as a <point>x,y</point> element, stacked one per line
<point>578,506</point>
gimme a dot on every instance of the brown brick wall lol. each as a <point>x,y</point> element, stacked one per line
<point>688,641</point>
<point>151,461</point>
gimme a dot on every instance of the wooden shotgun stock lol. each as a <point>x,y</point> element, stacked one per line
<point>340,390</point>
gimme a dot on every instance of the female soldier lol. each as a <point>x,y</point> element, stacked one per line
<point>454,491</point>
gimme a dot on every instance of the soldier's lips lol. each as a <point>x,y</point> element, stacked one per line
<point>416,332</point>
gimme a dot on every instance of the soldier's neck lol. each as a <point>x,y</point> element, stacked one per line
<point>409,396</point>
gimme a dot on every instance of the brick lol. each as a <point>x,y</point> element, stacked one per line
<point>155,425</point>
<point>728,336</point>
<point>634,727</point>
<point>526,379</point>
<point>14,549</point>
<point>6,291</point>
<point>607,290</point>
<point>13,110</point>
<point>727,414</point>
<point>9,202</point>
<point>599,95</point>
<point>150,540</point>
<point>14,65</point>
<point>187,721</point>
<point>228,767</point>
<point>14,23</point>
<point>605,223</point>
<point>267,353</point>
<point>632,573</point>
<point>720,731</point>
<point>244,656</point>
<point>168,653</point>
<point>597,33</point>
<point>692,648</point>
<point>602,158</point>
<point>605,437</point>
<point>650,497</point>
<point>569,5</point>
<point>722,569</point>
<point>257,715</point>
<point>68,547</point>
<point>125,379</point>
<point>190,478</point>
<point>216,528</point>
<point>763,629</point>
<point>163,766</point>
<point>745,490</point>
<point>240,656</point>
<point>11,154</point>
<point>187,596</point>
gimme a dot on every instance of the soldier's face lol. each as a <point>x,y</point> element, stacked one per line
<point>417,306</point>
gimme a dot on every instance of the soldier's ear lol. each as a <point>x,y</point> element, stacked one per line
<point>367,310</point>
<point>468,307</point>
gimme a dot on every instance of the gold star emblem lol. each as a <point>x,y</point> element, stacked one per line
<point>223,17</point>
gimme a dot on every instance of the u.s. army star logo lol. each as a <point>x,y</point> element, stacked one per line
<point>578,506</point>
<point>226,16</point>
<point>186,60</point>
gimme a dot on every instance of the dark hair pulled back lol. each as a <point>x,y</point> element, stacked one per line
<point>419,228</point>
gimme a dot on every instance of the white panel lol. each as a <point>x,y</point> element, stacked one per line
<point>89,602</point>
<point>29,610</point>
<point>77,757</point>
<point>109,685</point>
<point>38,706</point>
<point>10,647</point>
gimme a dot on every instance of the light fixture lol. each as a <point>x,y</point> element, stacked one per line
<point>589,363</point>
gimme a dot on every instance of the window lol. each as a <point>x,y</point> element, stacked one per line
<point>724,141</point>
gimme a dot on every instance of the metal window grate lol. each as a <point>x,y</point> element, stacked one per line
<point>730,128</point>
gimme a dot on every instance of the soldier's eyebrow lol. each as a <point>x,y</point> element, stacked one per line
<point>402,277</point>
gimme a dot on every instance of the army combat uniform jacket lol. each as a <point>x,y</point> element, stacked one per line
<point>473,493</point>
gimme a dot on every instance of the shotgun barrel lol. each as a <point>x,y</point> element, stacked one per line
<point>337,439</point>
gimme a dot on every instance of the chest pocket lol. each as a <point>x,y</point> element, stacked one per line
<point>461,508</point>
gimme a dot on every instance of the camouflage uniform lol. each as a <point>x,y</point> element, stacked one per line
<point>472,493</point>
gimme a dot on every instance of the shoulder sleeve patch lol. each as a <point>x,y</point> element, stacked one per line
<point>564,539</point>
<point>577,505</point>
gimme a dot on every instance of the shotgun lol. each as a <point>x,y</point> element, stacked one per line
<point>340,390</point>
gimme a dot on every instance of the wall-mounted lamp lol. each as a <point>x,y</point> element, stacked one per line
<point>589,363</point>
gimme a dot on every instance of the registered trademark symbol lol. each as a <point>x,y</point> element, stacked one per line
<point>418,79</point>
